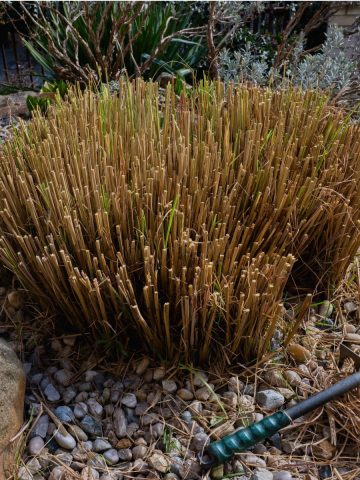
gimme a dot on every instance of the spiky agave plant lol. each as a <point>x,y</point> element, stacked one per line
<point>175,224</point>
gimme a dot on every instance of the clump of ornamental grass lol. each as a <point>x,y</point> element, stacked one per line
<point>173,224</point>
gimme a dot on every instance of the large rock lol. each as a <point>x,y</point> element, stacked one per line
<point>12,393</point>
<point>14,104</point>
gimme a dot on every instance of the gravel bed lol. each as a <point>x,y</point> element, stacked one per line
<point>142,420</point>
<point>150,424</point>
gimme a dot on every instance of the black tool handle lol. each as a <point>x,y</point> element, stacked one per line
<point>323,397</point>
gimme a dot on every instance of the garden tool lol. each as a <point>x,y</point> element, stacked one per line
<point>242,439</point>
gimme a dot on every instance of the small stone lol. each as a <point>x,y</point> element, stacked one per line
<point>169,386</point>
<point>202,394</point>
<point>142,366</point>
<point>141,408</point>
<point>159,373</point>
<point>63,377</point>
<point>81,397</point>
<point>100,445</point>
<point>139,451</point>
<point>200,379</point>
<point>139,465</point>
<point>36,444</point>
<point>275,378</point>
<point>258,416</point>
<point>68,395</point>
<point>90,375</point>
<point>33,465</point>
<point>299,353</point>
<point>159,462</point>
<point>230,398</point>
<point>120,422</point>
<point>51,393</point>
<point>97,461</point>
<point>199,441</point>
<point>324,450</point>
<point>91,426</point>
<point>129,400</point>
<point>40,429</point>
<point>254,461</point>
<point>260,449</point>
<point>125,454</point>
<point>326,309</point>
<point>95,408</point>
<point>89,473</point>
<point>157,429</point>
<point>64,457</point>
<point>85,387</point>
<point>44,382</point>
<point>350,307</point>
<point>78,433</point>
<point>292,378</point>
<point>88,445</point>
<point>286,393</point>
<point>235,385</point>
<point>270,399</point>
<point>36,379</point>
<point>24,474</point>
<point>64,414</point>
<point>80,410</point>
<point>111,456</point>
<point>353,338</point>
<point>57,473</point>
<point>56,345</point>
<point>109,410</point>
<point>15,299</point>
<point>125,443</point>
<point>324,472</point>
<point>282,475</point>
<point>171,476</point>
<point>217,472</point>
<point>262,474</point>
<point>65,441</point>
<point>190,469</point>
<point>348,328</point>
<point>196,407</point>
<point>185,394</point>
<point>69,340</point>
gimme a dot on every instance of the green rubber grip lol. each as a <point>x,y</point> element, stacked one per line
<point>243,438</point>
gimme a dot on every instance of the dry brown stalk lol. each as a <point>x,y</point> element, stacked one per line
<point>178,224</point>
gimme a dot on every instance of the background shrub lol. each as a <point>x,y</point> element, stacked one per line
<point>174,224</point>
<point>99,41</point>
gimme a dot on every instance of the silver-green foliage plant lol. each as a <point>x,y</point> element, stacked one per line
<point>333,68</point>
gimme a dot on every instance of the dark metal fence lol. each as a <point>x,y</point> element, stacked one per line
<point>17,67</point>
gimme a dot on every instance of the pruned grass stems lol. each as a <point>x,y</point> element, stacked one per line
<point>180,223</point>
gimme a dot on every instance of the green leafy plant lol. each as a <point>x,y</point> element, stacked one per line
<point>98,41</point>
<point>48,93</point>
<point>174,226</point>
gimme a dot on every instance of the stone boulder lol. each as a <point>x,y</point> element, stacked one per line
<point>12,394</point>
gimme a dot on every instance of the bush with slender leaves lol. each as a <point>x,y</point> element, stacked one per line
<point>172,225</point>
<point>98,41</point>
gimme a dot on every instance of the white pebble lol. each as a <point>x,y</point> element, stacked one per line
<point>65,441</point>
<point>111,456</point>
<point>169,386</point>
<point>129,400</point>
<point>80,410</point>
<point>100,445</point>
<point>51,393</point>
<point>89,473</point>
<point>36,444</point>
<point>57,473</point>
